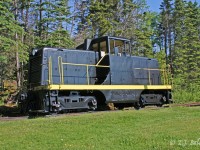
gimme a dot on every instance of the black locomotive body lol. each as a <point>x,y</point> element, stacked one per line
<point>103,71</point>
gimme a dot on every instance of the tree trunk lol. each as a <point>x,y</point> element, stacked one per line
<point>17,53</point>
<point>40,19</point>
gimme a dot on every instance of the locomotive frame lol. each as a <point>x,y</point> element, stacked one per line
<point>103,71</point>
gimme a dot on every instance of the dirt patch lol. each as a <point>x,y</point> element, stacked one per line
<point>13,118</point>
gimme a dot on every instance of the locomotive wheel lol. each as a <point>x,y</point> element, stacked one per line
<point>141,102</point>
<point>137,106</point>
<point>92,103</point>
<point>162,101</point>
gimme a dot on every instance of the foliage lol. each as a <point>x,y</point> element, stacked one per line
<point>186,46</point>
<point>167,128</point>
<point>50,24</point>
<point>189,94</point>
<point>101,16</point>
<point>10,41</point>
<point>58,38</point>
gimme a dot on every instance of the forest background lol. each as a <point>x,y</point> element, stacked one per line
<point>171,36</point>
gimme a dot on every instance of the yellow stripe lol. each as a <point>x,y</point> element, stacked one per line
<point>103,87</point>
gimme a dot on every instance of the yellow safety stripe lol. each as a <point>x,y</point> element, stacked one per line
<point>104,87</point>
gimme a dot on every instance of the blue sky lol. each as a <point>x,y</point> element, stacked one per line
<point>154,5</point>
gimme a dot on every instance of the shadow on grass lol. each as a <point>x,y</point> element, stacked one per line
<point>7,111</point>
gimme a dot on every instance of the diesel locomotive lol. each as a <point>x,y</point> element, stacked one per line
<point>99,71</point>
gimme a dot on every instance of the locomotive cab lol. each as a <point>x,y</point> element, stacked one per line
<point>106,47</point>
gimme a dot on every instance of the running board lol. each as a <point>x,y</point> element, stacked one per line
<point>103,87</point>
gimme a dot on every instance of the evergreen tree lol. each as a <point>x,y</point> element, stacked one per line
<point>101,17</point>
<point>52,18</point>
<point>10,41</point>
<point>186,43</point>
<point>125,18</point>
<point>180,56</point>
<point>166,28</point>
<point>79,28</point>
<point>143,34</point>
<point>192,41</point>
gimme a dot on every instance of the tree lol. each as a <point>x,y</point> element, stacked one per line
<point>12,49</point>
<point>193,47</point>
<point>180,57</point>
<point>100,17</point>
<point>79,28</point>
<point>52,18</point>
<point>186,43</point>
<point>166,28</point>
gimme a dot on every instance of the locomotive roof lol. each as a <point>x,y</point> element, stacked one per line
<point>110,37</point>
<point>87,42</point>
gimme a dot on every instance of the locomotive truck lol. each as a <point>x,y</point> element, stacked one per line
<point>99,71</point>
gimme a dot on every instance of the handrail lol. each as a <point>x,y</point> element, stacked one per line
<point>50,80</point>
<point>60,68</point>
<point>61,72</point>
<point>73,64</point>
<point>101,59</point>
<point>165,75</point>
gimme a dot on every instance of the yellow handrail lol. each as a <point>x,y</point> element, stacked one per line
<point>88,81</point>
<point>50,81</point>
<point>149,77</point>
<point>101,59</point>
<point>165,75</point>
<point>61,72</point>
<point>60,68</point>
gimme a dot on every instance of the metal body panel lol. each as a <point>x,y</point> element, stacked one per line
<point>122,96</point>
<point>39,70</point>
<point>132,70</point>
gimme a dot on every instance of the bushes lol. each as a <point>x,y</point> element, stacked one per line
<point>183,94</point>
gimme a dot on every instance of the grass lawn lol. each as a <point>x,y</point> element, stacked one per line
<point>147,129</point>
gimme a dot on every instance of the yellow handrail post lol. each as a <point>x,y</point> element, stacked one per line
<point>60,67</point>
<point>88,81</point>
<point>100,60</point>
<point>149,76</point>
<point>50,70</point>
<point>62,71</point>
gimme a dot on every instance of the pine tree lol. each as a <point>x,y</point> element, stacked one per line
<point>79,27</point>
<point>100,17</point>
<point>166,28</point>
<point>186,43</point>
<point>52,18</point>
<point>143,34</point>
<point>180,38</point>
<point>10,41</point>
<point>193,47</point>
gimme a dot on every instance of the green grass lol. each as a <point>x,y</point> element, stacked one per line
<point>147,129</point>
